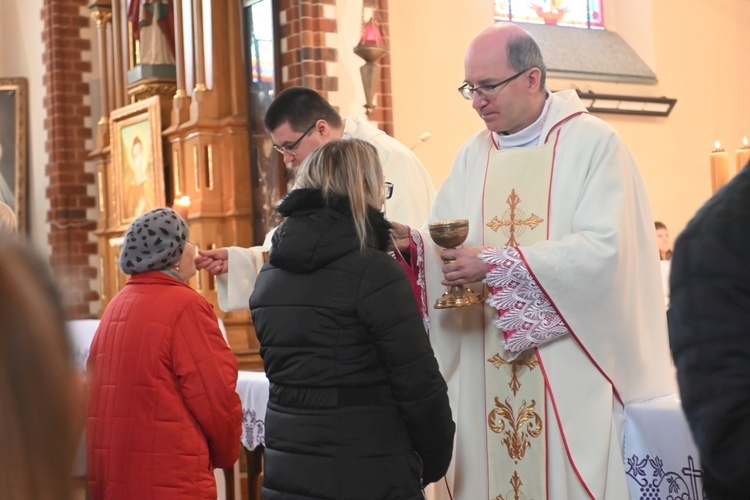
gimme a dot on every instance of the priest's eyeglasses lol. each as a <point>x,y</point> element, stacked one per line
<point>486,91</point>
<point>290,150</point>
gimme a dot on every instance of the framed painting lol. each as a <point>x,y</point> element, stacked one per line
<point>137,159</point>
<point>14,163</point>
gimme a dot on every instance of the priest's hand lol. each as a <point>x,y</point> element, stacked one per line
<point>214,261</point>
<point>466,267</point>
<point>400,238</point>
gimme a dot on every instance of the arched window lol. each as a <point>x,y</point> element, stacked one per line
<point>576,13</point>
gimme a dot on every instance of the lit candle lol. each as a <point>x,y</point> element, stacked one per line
<point>719,167</point>
<point>742,155</point>
<point>182,206</point>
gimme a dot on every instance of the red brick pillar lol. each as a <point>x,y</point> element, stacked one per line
<point>304,50</point>
<point>305,53</point>
<point>383,112</point>
<point>71,237</point>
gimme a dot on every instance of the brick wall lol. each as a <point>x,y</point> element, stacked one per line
<point>305,54</point>
<point>67,68</point>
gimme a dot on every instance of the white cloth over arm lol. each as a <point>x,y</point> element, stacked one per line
<point>235,286</point>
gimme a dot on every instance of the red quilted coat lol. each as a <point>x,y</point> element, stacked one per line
<point>162,408</point>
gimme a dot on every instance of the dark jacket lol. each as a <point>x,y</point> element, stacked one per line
<point>162,408</point>
<point>355,389</point>
<point>709,335</point>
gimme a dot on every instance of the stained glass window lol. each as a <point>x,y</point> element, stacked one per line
<point>577,13</point>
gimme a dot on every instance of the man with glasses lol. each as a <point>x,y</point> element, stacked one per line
<point>573,327</point>
<point>299,121</point>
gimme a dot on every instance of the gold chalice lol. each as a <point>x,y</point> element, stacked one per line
<point>450,234</point>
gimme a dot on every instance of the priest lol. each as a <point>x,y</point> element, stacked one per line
<point>561,242</point>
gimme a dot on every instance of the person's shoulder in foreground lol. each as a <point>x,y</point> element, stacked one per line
<point>710,340</point>
<point>41,393</point>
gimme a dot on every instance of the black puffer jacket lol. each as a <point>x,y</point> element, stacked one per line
<point>709,314</point>
<point>356,397</point>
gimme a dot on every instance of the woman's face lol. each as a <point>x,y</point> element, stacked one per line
<point>662,239</point>
<point>186,264</point>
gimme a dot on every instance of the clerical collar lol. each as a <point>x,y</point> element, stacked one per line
<point>528,136</point>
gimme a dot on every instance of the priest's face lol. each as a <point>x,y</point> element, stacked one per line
<point>506,99</point>
<point>294,145</point>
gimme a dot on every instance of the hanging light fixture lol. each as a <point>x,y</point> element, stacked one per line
<point>371,47</point>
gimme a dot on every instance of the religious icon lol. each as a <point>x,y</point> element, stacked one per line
<point>13,146</point>
<point>137,159</point>
<point>153,27</point>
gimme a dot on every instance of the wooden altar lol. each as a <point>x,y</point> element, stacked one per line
<point>203,138</point>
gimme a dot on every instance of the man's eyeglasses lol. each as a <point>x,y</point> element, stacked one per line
<point>388,190</point>
<point>290,150</point>
<point>486,91</point>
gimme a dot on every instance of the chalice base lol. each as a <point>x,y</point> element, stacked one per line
<point>458,296</point>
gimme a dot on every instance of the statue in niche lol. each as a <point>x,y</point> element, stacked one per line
<point>153,27</point>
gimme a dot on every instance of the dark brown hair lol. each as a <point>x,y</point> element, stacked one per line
<point>40,415</point>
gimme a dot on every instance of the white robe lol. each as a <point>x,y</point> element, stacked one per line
<point>599,270</point>
<point>413,194</point>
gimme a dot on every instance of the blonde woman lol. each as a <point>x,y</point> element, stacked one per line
<point>357,407</point>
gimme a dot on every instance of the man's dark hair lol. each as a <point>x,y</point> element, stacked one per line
<point>300,107</point>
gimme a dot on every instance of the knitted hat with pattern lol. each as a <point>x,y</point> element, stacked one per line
<point>153,242</point>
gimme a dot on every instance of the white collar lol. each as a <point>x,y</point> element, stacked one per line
<point>530,135</point>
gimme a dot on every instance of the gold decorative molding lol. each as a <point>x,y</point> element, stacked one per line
<point>145,89</point>
<point>101,15</point>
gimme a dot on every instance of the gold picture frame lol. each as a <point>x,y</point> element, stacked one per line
<point>14,157</point>
<point>137,159</point>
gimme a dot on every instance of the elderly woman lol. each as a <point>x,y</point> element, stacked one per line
<point>357,407</point>
<point>162,409</point>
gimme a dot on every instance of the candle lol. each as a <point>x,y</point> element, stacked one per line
<point>719,167</point>
<point>742,155</point>
<point>182,206</point>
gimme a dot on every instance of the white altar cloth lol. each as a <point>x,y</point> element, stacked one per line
<point>80,334</point>
<point>661,459</point>
<point>253,390</point>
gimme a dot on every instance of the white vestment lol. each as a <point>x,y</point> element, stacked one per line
<point>598,274</point>
<point>413,194</point>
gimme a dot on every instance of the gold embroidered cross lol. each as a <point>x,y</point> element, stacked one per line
<point>514,368</point>
<point>515,221</point>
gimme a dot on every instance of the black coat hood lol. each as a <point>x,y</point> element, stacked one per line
<point>314,233</point>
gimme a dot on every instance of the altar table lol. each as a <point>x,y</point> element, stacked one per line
<point>253,390</point>
<point>660,456</point>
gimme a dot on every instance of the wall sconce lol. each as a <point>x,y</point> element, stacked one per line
<point>371,47</point>
<point>626,105</point>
